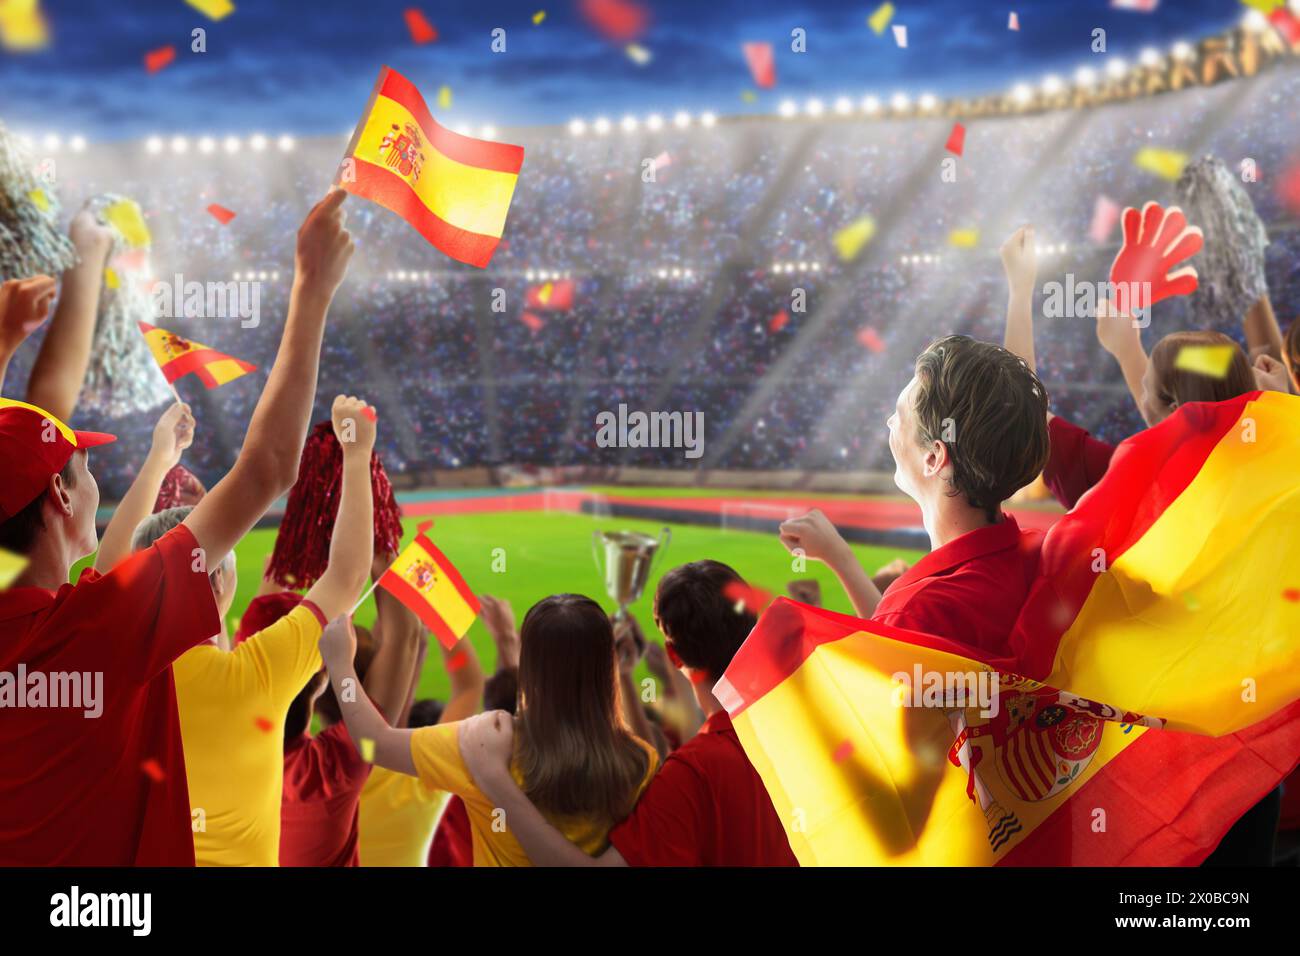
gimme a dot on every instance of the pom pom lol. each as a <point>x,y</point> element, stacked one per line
<point>1231,266</point>
<point>303,543</point>
<point>179,487</point>
<point>263,611</point>
<point>31,242</point>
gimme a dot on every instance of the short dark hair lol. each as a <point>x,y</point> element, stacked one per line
<point>697,617</point>
<point>994,408</point>
<point>1177,386</point>
<point>424,713</point>
<point>501,690</point>
<point>1291,349</point>
<point>18,534</point>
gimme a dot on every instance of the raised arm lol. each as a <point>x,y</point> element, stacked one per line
<point>338,648</point>
<point>1120,335</point>
<point>816,537</point>
<point>352,543</point>
<point>60,366</point>
<point>1020,262</point>
<point>268,463</point>
<point>24,307</point>
<point>171,436</point>
<point>466,675</point>
<point>1263,334</point>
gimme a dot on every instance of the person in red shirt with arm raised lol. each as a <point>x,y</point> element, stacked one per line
<point>707,806</point>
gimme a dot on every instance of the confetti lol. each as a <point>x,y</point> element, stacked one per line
<point>638,54</point>
<point>155,60</point>
<point>746,597</point>
<point>900,37</point>
<point>748,96</point>
<point>662,161</point>
<point>422,31</point>
<point>538,17</point>
<point>1165,163</point>
<point>213,9</point>
<point>110,278</point>
<point>367,749</point>
<point>221,214</point>
<point>1142,6</point>
<point>1211,360</point>
<point>264,724</point>
<point>1264,6</point>
<point>22,26</point>
<point>152,769</point>
<point>618,20</point>
<point>11,565</point>
<point>444,97</point>
<point>531,320</point>
<point>1292,594</point>
<point>1013,21</point>
<point>956,139</point>
<point>869,338</point>
<point>457,661</point>
<point>778,321</point>
<point>1287,24</point>
<point>964,238</point>
<point>850,240</point>
<point>880,19</point>
<point>1105,216</point>
<point>762,64</point>
<point>843,751</point>
<point>124,216</point>
<point>39,199</point>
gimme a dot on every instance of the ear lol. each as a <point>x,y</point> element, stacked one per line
<point>59,497</point>
<point>937,459</point>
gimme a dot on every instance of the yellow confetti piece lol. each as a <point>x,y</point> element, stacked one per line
<point>638,54</point>
<point>1264,6</point>
<point>748,96</point>
<point>1211,360</point>
<point>39,199</point>
<point>538,17</point>
<point>444,97</point>
<point>880,19</point>
<point>213,9</point>
<point>850,240</point>
<point>1165,163</point>
<point>964,238</point>
<point>111,279</point>
<point>124,216</point>
<point>22,26</point>
<point>11,565</point>
<point>367,749</point>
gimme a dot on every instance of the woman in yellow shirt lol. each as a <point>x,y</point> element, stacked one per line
<point>574,756</point>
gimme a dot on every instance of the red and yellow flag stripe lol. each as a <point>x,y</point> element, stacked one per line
<point>178,356</point>
<point>428,584</point>
<point>455,190</point>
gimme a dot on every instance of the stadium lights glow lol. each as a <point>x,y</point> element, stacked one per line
<point>843,106</point>
<point>1085,76</point>
<point>1116,69</point>
<point>577,127</point>
<point>928,101</point>
<point>528,275</point>
<point>51,142</point>
<point>78,144</point>
<point>180,144</point>
<point>1149,57</point>
<point>601,126</point>
<point>707,120</point>
<point>257,143</point>
<point>1182,50</point>
<point>230,144</point>
<point>788,108</point>
<point>899,102</point>
<point>1254,21</point>
<point>688,273</point>
<point>1052,85</point>
<point>488,132</point>
<point>1022,93</point>
<point>663,273</point>
<point>285,143</point>
<point>677,273</point>
<point>275,276</point>
<point>207,144</point>
<point>154,144</point>
<point>682,119</point>
<point>816,267</point>
<point>629,124</point>
<point>814,107</point>
<point>871,104</point>
<point>654,122</point>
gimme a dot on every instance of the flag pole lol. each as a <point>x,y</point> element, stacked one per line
<point>362,599</point>
<point>176,394</point>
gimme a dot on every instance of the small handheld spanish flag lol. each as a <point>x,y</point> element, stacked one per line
<point>178,356</point>
<point>431,588</point>
<point>453,189</point>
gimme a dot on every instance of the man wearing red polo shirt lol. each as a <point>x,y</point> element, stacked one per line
<point>108,789</point>
<point>707,805</point>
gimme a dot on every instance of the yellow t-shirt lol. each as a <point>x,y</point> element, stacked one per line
<point>398,814</point>
<point>436,754</point>
<point>232,707</point>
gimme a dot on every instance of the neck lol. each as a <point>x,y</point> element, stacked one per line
<point>704,696</point>
<point>48,564</point>
<point>948,518</point>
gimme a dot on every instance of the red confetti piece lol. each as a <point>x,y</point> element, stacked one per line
<point>1287,24</point>
<point>1105,216</point>
<point>754,599</point>
<point>870,339</point>
<point>956,139</point>
<point>422,31</point>
<point>220,213</point>
<point>370,413</point>
<point>778,321</point>
<point>618,20</point>
<point>153,770</point>
<point>263,724</point>
<point>1288,188</point>
<point>155,60</point>
<point>843,751</point>
<point>457,661</point>
<point>762,63</point>
<point>532,321</point>
<point>1292,594</point>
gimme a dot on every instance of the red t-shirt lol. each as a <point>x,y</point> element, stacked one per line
<point>78,790</point>
<point>706,807</point>
<point>453,842</point>
<point>970,590</point>
<point>323,777</point>
<point>1075,462</point>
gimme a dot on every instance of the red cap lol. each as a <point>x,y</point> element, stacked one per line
<point>263,611</point>
<point>34,446</point>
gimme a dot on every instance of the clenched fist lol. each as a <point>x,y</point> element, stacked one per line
<point>354,425</point>
<point>324,246</point>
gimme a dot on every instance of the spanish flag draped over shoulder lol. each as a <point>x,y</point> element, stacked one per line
<point>178,356</point>
<point>430,586</point>
<point>455,190</point>
<point>1149,697</point>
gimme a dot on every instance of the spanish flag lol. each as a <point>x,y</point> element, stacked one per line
<point>1149,697</point>
<point>430,586</point>
<point>455,190</point>
<point>178,356</point>
<point>11,565</point>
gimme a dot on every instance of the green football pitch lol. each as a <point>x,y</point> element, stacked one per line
<point>550,552</point>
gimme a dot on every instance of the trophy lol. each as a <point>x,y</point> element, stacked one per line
<point>628,558</point>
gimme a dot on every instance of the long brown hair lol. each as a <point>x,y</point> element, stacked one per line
<point>572,748</point>
<point>1175,386</point>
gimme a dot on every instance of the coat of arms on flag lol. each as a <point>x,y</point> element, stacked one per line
<point>178,356</point>
<point>424,580</point>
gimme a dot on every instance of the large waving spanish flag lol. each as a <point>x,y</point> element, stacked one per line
<point>455,190</point>
<point>178,356</point>
<point>430,586</point>
<point>1151,694</point>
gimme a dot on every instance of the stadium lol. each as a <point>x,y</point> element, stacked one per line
<point>770,272</point>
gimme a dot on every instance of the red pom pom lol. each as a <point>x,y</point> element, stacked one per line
<point>303,544</point>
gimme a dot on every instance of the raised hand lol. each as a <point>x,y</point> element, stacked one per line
<point>499,619</point>
<point>814,534</point>
<point>324,246</point>
<point>1020,259</point>
<point>338,642</point>
<point>1155,241</point>
<point>172,435</point>
<point>24,307</point>
<point>354,425</point>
